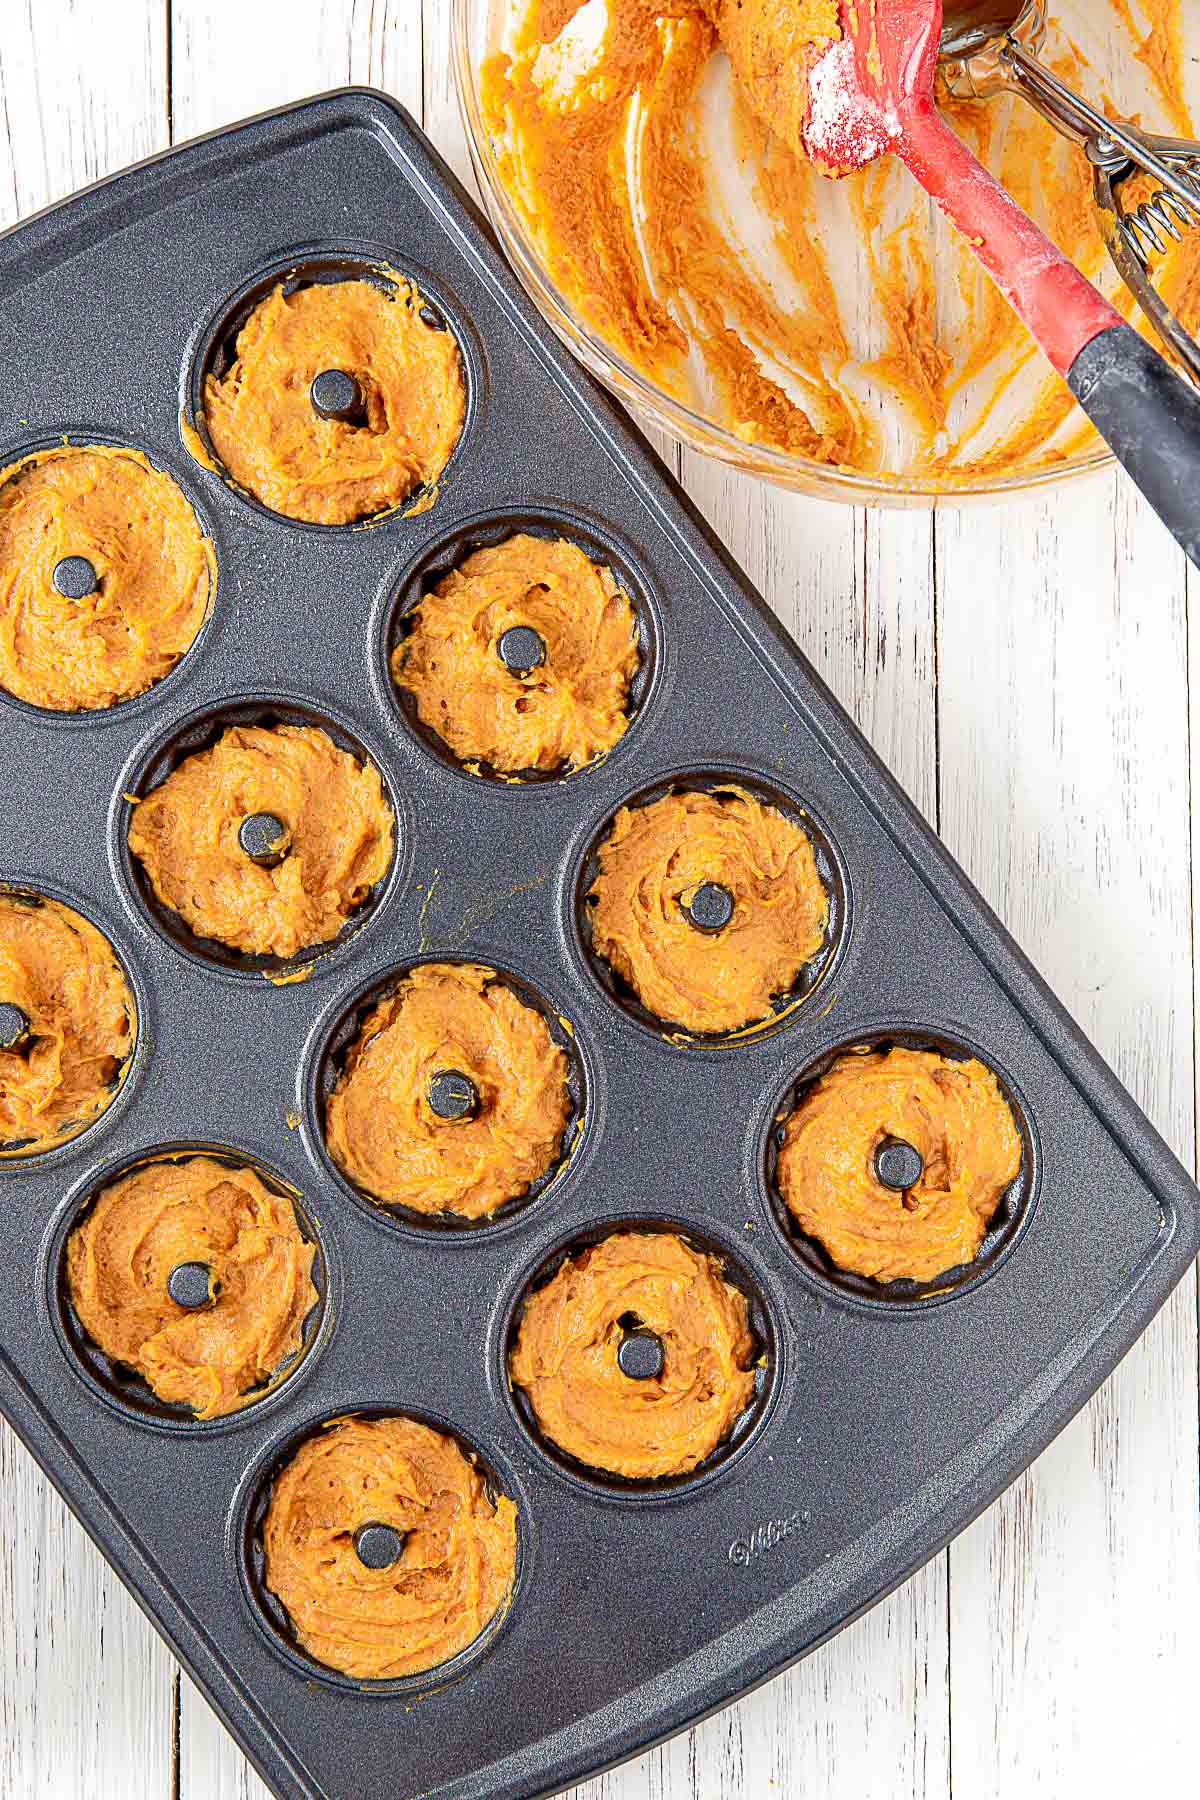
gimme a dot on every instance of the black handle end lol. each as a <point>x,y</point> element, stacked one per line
<point>1150,416</point>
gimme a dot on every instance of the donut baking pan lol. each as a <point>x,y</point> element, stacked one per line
<point>882,1420</point>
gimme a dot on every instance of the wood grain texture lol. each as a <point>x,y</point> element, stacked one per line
<point>1024,670</point>
<point>87,1688</point>
<point>1063,706</point>
<point>230,60</point>
<point>78,99</point>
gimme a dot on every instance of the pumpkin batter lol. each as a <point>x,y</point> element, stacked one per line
<point>601,119</point>
<point>380,1126</point>
<point>772,45</point>
<point>62,975</point>
<point>331,471</point>
<point>456,1569</point>
<point>121,1255</point>
<point>153,567</point>
<point>651,865</point>
<point>565,1358</point>
<point>566,710</point>
<point>953,1113</point>
<point>337,843</point>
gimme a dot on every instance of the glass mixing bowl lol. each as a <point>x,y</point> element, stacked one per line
<point>1101,29</point>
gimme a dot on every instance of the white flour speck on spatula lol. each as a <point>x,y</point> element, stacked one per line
<point>843,130</point>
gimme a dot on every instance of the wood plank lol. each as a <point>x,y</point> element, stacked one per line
<point>87,1689</point>
<point>1075,1627</point>
<point>230,60</point>
<point>1193,619</point>
<point>77,99</point>
<point>442,118</point>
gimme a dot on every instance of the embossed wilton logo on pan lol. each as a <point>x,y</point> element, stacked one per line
<point>764,1537</point>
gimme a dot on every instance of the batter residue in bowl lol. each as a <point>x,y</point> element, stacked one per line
<point>654,865</point>
<point>336,841</point>
<point>457,1547</point>
<point>271,438</point>
<point>840,323</point>
<point>567,1355</point>
<point>148,577</point>
<point>569,704</point>
<point>382,1123</point>
<point>950,1112</point>
<point>69,1023</point>
<point>121,1256</point>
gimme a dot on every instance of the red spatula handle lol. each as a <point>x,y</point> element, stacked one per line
<point>1149,415</point>
<point>1060,306</point>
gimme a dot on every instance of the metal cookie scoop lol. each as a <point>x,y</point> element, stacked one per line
<point>991,47</point>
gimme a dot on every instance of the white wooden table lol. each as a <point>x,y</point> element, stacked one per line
<point>1028,671</point>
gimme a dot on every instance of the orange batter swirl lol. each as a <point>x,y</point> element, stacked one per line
<point>380,1126</point>
<point>142,1227</point>
<point>455,1570</point>
<point>338,838</point>
<point>651,865</point>
<point>331,471</point>
<point>952,1112</point>
<point>153,569</point>
<point>63,977</point>
<point>566,1356</point>
<point>568,708</point>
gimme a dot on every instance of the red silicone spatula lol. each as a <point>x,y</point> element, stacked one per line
<point>872,93</point>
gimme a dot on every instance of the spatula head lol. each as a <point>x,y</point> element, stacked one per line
<point>860,88</point>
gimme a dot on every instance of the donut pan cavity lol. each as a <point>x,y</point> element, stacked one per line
<point>452,547</point>
<point>199,731</point>
<point>883,1421</point>
<point>120,1384</point>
